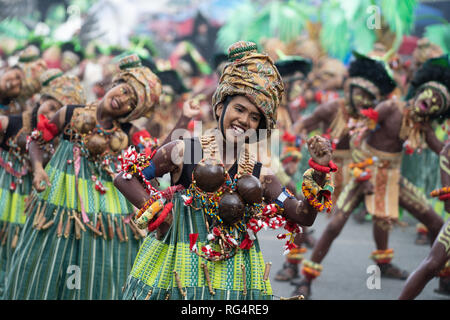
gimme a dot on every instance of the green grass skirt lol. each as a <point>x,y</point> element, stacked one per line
<point>12,218</point>
<point>51,261</point>
<point>153,277</point>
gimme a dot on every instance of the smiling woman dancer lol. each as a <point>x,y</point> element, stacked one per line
<point>205,248</point>
<point>77,242</point>
<point>57,90</point>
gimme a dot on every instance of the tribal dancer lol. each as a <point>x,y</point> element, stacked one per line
<point>437,263</point>
<point>21,81</point>
<point>78,222</point>
<point>376,150</point>
<point>57,90</point>
<point>205,248</point>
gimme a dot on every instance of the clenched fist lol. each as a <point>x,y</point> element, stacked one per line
<point>320,150</point>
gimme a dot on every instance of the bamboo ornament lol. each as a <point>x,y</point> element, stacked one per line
<point>15,238</point>
<point>77,227</point>
<point>36,215</point>
<point>48,224</point>
<point>5,236</point>
<point>102,225</point>
<point>300,297</point>
<point>59,228</point>
<point>68,226</point>
<point>110,228</point>
<point>149,294</point>
<point>177,279</point>
<point>125,232</point>
<point>41,222</point>
<point>244,279</point>
<point>208,279</point>
<point>93,229</point>
<point>118,230</point>
<point>133,230</point>
<point>78,221</point>
<point>267,271</point>
<point>4,225</point>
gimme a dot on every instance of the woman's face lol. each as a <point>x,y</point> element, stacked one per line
<point>430,100</point>
<point>240,116</point>
<point>48,107</point>
<point>11,83</point>
<point>119,100</point>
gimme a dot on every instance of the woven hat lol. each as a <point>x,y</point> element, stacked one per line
<point>66,89</point>
<point>253,75</point>
<point>145,83</point>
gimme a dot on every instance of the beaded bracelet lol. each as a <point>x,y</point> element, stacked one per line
<point>155,224</point>
<point>285,194</point>
<point>147,205</point>
<point>440,192</point>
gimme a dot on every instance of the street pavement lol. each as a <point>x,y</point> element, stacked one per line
<point>345,275</point>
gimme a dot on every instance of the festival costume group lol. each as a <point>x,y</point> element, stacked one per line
<point>205,244</point>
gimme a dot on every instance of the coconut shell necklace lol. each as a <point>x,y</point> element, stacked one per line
<point>227,203</point>
<point>97,142</point>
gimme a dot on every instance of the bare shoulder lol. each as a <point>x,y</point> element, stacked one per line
<point>4,120</point>
<point>173,151</point>
<point>388,108</point>
<point>328,108</point>
<point>445,152</point>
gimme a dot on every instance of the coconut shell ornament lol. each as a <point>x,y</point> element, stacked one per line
<point>96,144</point>
<point>231,208</point>
<point>250,189</point>
<point>118,141</point>
<point>85,123</point>
<point>209,175</point>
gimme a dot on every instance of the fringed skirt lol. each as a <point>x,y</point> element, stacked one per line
<point>167,269</point>
<point>61,257</point>
<point>13,194</point>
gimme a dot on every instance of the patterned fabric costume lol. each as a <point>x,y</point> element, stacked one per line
<point>168,268</point>
<point>15,172</point>
<point>78,241</point>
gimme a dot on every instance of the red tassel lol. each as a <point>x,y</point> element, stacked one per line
<point>246,244</point>
<point>136,138</point>
<point>287,137</point>
<point>49,130</point>
<point>192,240</point>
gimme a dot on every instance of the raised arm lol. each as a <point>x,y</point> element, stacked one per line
<point>191,109</point>
<point>53,128</point>
<point>4,121</point>
<point>322,114</point>
<point>432,140</point>
<point>167,159</point>
<point>299,211</point>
